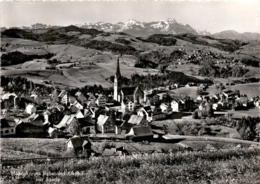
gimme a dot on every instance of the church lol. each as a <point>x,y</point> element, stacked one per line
<point>129,97</point>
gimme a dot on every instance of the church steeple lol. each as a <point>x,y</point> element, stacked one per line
<point>117,77</point>
<point>118,74</point>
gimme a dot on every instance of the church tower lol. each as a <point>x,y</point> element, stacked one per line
<point>116,80</point>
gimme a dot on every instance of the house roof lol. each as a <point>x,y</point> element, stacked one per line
<point>102,119</point>
<point>147,108</point>
<point>7,122</point>
<point>257,128</point>
<point>66,120</point>
<point>7,96</point>
<point>77,105</point>
<point>85,142</point>
<point>78,141</point>
<point>119,122</point>
<point>142,131</point>
<point>72,99</point>
<point>27,99</point>
<point>50,130</point>
<point>78,93</point>
<point>33,117</point>
<point>135,120</point>
<point>62,93</point>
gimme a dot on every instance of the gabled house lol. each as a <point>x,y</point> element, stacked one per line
<point>88,128</point>
<point>62,93</point>
<point>79,144</point>
<point>151,113</point>
<point>175,106</point>
<point>75,107</point>
<point>105,124</point>
<point>136,120</point>
<point>127,105</point>
<point>153,98</point>
<point>80,114</point>
<point>146,112</point>
<point>25,128</point>
<point>80,97</point>
<point>64,99</point>
<point>8,100</point>
<point>119,126</point>
<point>157,114</point>
<point>101,101</point>
<point>46,115</point>
<point>56,116</point>
<point>162,96</point>
<point>92,98</point>
<point>91,111</point>
<point>7,127</point>
<point>228,94</point>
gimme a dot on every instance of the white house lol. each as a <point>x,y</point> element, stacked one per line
<point>30,109</point>
<point>165,108</point>
<point>175,106</point>
<point>80,114</point>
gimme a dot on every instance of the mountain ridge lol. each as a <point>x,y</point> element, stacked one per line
<point>166,26</point>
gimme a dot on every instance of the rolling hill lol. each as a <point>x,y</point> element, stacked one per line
<point>91,51</point>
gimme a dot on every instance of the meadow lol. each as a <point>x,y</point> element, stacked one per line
<point>226,166</point>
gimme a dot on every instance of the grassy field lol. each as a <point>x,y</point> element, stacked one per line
<point>20,148</point>
<point>185,91</point>
<point>250,89</point>
<point>229,166</point>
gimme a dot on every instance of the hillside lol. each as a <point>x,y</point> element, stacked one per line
<point>231,34</point>
<point>87,56</point>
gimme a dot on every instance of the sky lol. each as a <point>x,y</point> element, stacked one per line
<point>213,16</point>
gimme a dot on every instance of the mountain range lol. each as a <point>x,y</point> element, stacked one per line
<point>168,26</point>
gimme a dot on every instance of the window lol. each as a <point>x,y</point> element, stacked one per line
<point>12,130</point>
<point>1,132</point>
<point>7,131</point>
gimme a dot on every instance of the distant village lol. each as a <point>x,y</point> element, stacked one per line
<point>127,114</point>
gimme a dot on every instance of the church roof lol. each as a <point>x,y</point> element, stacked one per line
<point>128,90</point>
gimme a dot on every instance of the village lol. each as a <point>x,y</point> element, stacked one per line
<point>127,114</point>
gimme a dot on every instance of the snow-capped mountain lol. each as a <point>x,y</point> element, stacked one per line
<point>134,27</point>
